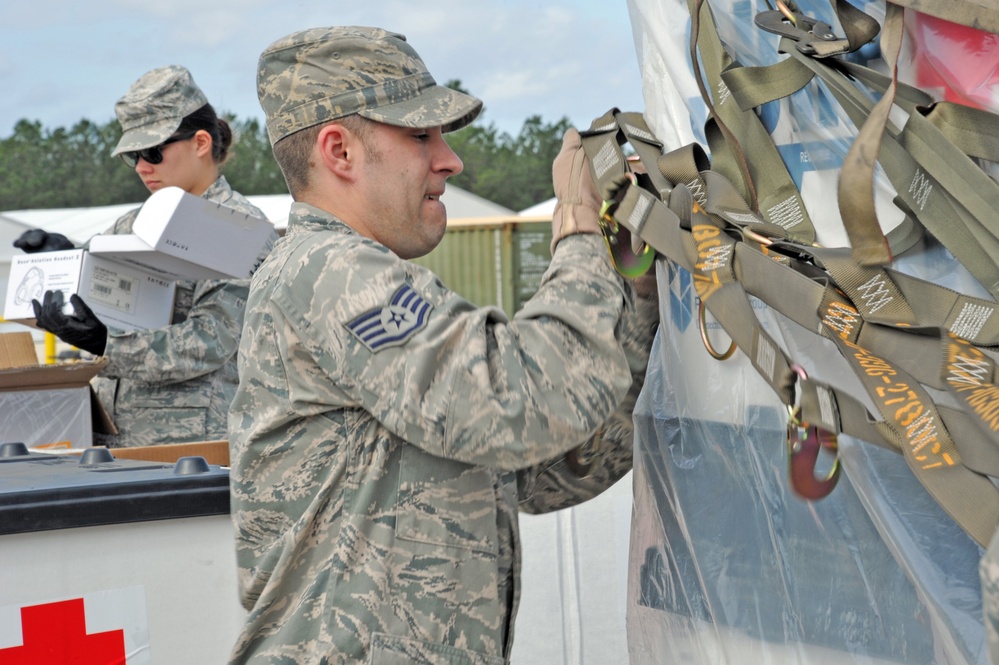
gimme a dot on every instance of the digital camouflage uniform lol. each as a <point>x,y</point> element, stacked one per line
<point>385,433</point>
<point>174,384</point>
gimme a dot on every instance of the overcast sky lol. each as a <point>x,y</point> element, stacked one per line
<point>63,61</point>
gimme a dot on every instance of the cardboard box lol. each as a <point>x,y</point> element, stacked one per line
<point>182,236</point>
<point>214,452</point>
<point>49,406</point>
<point>17,349</point>
<point>122,296</point>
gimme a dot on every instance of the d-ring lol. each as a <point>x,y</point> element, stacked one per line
<point>703,328</point>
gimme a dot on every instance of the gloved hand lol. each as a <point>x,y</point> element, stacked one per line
<point>81,329</point>
<point>37,240</point>
<point>578,206</point>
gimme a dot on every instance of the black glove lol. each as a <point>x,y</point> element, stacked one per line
<point>37,240</point>
<point>81,329</point>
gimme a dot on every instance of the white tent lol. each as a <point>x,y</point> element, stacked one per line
<point>539,209</point>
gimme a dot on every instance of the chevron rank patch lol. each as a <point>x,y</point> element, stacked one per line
<point>405,315</point>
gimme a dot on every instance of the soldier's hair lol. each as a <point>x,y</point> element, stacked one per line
<point>293,153</point>
<point>205,118</point>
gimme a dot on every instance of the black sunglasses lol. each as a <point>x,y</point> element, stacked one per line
<point>153,155</point>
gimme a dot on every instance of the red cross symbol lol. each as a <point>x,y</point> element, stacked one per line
<point>56,633</point>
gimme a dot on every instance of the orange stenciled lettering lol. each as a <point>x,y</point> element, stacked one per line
<point>703,232</point>
<point>874,366</point>
<point>908,413</point>
<point>905,405</point>
<point>712,255</point>
<point>985,403</point>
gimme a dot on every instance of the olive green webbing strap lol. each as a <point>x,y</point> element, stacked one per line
<point>610,159</point>
<point>974,132</point>
<point>741,147</point>
<point>663,229</point>
<point>883,295</point>
<point>954,210</point>
<point>963,233</point>
<point>948,492</point>
<point>968,497</point>
<point>893,298</point>
<point>697,244</point>
<point>882,321</point>
<point>970,376</point>
<point>956,484</point>
<point>855,193</point>
<point>822,307</point>
<point>962,132</point>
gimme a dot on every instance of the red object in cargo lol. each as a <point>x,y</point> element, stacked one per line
<point>952,62</point>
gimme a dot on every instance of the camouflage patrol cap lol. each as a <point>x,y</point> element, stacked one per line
<point>314,76</point>
<point>153,108</point>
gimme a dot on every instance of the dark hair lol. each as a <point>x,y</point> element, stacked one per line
<point>205,118</point>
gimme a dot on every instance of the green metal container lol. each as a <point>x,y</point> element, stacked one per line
<point>493,261</point>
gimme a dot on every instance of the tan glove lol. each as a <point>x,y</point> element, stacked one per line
<point>578,206</point>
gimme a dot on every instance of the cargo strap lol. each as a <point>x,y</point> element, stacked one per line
<point>884,324</point>
<point>928,162</point>
<point>740,145</point>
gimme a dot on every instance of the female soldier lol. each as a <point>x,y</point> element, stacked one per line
<point>172,384</point>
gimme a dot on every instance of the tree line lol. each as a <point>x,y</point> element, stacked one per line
<point>71,167</point>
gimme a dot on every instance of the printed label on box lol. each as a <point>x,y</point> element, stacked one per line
<point>113,289</point>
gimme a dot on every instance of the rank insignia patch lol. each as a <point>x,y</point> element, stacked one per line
<point>406,314</point>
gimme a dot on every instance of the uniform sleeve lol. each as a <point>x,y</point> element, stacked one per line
<point>458,381</point>
<point>201,344</point>
<point>606,457</point>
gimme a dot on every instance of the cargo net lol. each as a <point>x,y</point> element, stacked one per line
<point>818,182</point>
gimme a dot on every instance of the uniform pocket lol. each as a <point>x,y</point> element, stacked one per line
<point>391,650</point>
<point>444,502</point>
<point>179,395</point>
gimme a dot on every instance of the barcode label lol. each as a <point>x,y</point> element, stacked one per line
<point>113,289</point>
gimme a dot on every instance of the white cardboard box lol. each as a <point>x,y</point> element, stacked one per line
<point>121,295</point>
<point>182,236</point>
<point>129,280</point>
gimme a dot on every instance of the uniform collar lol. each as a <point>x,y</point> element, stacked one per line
<point>306,217</point>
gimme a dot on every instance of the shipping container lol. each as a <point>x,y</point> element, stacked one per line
<point>493,260</point>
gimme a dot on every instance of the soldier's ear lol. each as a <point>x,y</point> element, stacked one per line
<point>202,141</point>
<point>336,146</point>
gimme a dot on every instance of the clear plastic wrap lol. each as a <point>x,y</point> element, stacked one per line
<point>727,564</point>
<point>53,418</point>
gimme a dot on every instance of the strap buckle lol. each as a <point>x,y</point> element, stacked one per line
<point>702,326</point>
<point>617,237</point>
<point>804,443</point>
<point>803,30</point>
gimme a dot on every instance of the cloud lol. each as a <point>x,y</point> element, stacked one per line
<point>64,61</point>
